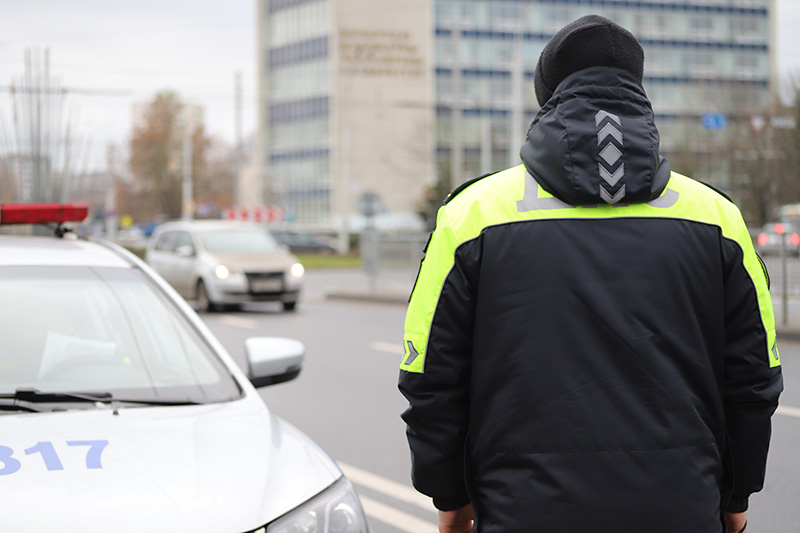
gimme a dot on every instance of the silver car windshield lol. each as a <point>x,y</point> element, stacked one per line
<point>102,329</point>
<point>239,241</point>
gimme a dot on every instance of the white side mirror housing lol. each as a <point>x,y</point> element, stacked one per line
<point>272,360</point>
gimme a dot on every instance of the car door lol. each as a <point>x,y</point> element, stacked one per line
<point>158,256</point>
<point>184,264</point>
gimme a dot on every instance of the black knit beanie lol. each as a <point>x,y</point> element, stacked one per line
<point>590,41</point>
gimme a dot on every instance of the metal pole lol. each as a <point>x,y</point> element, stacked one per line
<point>457,162</point>
<point>111,207</point>
<point>517,101</point>
<point>344,189</point>
<point>486,144</point>
<point>239,138</point>
<point>785,281</point>
<point>187,193</point>
<point>371,253</point>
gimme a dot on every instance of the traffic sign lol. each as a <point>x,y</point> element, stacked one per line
<point>369,204</point>
<point>715,121</point>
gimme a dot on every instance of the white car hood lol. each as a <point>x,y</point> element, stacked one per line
<point>229,467</point>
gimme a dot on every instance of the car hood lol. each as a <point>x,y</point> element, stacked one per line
<point>228,467</point>
<point>258,262</point>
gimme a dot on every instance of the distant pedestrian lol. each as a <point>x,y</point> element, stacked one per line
<point>590,344</point>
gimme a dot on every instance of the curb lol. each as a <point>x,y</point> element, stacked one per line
<point>368,297</point>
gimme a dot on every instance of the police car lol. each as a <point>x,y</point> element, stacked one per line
<point>120,411</point>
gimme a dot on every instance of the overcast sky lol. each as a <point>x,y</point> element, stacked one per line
<point>193,47</point>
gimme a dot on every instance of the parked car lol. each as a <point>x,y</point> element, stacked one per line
<point>299,242</point>
<point>220,263</point>
<point>769,238</point>
<point>120,410</point>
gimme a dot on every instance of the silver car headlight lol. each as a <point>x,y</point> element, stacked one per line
<point>222,272</point>
<point>334,510</point>
<point>297,270</point>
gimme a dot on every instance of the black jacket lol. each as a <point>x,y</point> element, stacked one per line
<point>590,343</point>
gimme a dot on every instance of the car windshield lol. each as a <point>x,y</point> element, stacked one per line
<point>239,241</point>
<point>102,329</point>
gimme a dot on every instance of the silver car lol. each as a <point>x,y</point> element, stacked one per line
<point>120,410</point>
<point>221,263</point>
<point>769,239</point>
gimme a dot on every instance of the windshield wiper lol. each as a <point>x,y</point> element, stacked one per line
<point>32,395</point>
<point>26,394</point>
<point>14,406</point>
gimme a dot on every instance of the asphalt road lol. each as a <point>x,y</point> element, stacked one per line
<point>347,400</point>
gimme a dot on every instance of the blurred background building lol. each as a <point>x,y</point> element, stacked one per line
<point>346,92</point>
<point>350,89</point>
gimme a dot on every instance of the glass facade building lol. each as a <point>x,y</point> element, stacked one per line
<point>297,68</point>
<point>702,57</point>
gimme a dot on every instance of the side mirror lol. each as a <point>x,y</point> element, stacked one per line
<point>185,250</point>
<point>272,360</point>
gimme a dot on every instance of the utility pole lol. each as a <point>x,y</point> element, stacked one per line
<point>239,136</point>
<point>457,150</point>
<point>187,192</point>
<point>111,199</point>
<point>517,105</point>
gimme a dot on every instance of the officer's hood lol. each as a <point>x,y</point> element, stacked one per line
<point>595,141</point>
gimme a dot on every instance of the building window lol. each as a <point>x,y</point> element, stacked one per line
<point>700,64</point>
<point>701,28</point>
<point>746,30</point>
<point>747,65</point>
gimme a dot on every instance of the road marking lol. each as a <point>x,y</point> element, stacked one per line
<point>238,321</point>
<point>396,518</point>
<point>788,411</point>
<point>391,488</point>
<point>388,347</point>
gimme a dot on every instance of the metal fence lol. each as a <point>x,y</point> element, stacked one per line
<point>392,258</point>
<point>400,251</point>
<point>784,274</point>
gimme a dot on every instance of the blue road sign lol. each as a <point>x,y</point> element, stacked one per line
<point>714,121</point>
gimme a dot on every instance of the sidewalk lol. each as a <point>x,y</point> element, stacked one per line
<point>355,285</point>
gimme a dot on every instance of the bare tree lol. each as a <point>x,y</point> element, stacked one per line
<point>215,182</point>
<point>155,148</point>
<point>42,155</point>
<point>753,159</point>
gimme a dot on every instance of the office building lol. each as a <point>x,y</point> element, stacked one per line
<point>389,96</point>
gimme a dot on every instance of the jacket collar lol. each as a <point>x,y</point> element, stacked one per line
<point>595,141</point>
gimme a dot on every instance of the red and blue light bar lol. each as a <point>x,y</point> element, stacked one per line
<point>42,213</point>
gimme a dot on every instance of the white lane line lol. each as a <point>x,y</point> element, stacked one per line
<point>395,518</point>
<point>395,348</point>
<point>391,488</point>
<point>238,321</point>
<point>788,411</point>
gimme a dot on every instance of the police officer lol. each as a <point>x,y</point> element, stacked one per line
<point>590,344</point>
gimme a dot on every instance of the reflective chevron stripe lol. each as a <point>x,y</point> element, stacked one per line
<point>609,156</point>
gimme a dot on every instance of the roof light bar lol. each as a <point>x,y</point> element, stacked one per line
<point>42,213</point>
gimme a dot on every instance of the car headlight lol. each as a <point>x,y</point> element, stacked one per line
<point>222,272</point>
<point>297,270</point>
<point>334,510</point>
